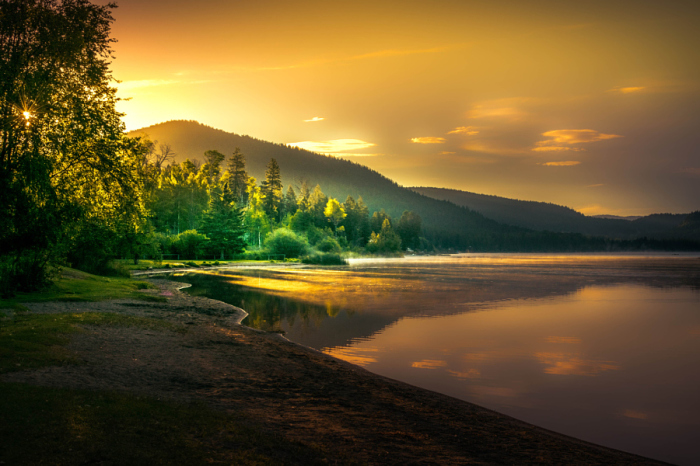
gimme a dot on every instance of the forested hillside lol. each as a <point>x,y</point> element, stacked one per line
<point>543,216</point>
<point>445,224</point>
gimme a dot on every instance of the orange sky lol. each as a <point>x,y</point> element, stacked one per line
<point>593,105</point>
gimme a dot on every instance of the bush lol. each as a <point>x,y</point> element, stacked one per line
<point>324,259</point>
<point>328,244</point>
<point>189,244</point>
<point>284,241</point>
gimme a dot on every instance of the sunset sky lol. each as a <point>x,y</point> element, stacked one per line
<point>593,105</point>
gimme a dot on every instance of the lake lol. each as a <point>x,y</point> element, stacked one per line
<point>605,348</point>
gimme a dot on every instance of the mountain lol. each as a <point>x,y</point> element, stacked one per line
<point>445,224</point>
<point>542,216</point>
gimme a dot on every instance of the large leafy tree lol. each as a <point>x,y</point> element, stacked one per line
<point>64,160</point>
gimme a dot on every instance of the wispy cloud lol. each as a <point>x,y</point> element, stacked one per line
<point>595,185</point>
<point>446,152</point>
<point>428,140</point>
<point>692,171</point>
<point>557,149</point>
<point>143,83</point>
<point>627,90</point>
<point>511,108</point>
<point>468,130</point>
<point>128,85</point>
<point>563,139</point>
<point>335,146</point>
<point>387,53</point>
<point>314,119</point>
<point>470,374</point>
<point>567,163</point>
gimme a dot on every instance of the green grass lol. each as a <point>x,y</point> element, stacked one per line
<point>40,425</point>
<point>37,340</point>
<point>74,285</point>
<point>146,264</point>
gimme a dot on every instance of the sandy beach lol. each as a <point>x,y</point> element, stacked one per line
<point>294,392</point>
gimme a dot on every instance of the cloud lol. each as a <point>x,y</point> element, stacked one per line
<point>567,364</point>
<point>563,139</point>
<point>315,119</point>
<point>500,108</point>
<point>692,171</point>
<point>557,149</point>
<point>568,163</point>
<point>428,140</point>
<point>128,85</point>
<point>627,90</point>
<point>401,53</point>
<point>334,147</point>
<point>468,130</point>
<point>574,136</point>
<point>595,185</point>
<point>445,152</point>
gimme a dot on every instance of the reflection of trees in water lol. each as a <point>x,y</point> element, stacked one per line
<point>265,311</point>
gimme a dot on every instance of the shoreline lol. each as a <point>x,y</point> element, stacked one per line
<point>296,392</point>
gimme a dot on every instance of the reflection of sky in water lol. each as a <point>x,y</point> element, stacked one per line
<point>601,348</point>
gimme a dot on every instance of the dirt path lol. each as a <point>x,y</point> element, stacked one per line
<point>295,392</point>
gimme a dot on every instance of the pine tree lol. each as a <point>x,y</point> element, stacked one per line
<point>271,190</point>
<point>238,177</point>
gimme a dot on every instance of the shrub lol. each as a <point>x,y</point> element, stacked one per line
<point>189,244</point>
<point>324,259</point>
<point>284,241</point>
<point>328,244</point>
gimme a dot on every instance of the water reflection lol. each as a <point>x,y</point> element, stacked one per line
<point>602,348</point>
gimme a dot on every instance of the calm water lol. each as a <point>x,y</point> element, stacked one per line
<point>603,348</point>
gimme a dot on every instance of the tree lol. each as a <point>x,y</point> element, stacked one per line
<point>385,241</point>
<point>334,212</point>
<point>377,220</point>
<point>271,190</point>
<point>223,225</point>
<point>286,242</point>
<point>317,204</point>
<point>64,158</point>
<point>409,229</point>
<point>290,201</point>
<point>256,221</point>
<point>212,167</point>
<point>238,177</point>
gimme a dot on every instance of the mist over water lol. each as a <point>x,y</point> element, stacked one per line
<point>603,348</point>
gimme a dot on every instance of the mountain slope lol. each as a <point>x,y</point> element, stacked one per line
<point>542,216</point>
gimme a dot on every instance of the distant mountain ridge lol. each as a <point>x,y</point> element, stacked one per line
<point>542,216</point>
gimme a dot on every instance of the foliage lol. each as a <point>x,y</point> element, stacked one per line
<point>328,244</point>
<point>284,241</point>
<point>334,212</point>
<point>271,191</point>
<point>409,229</point>
<point>222,224</point>
<point>190,244</point>
<point>65,164</point>
<point>324,259</point>
<point>386,241</point>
